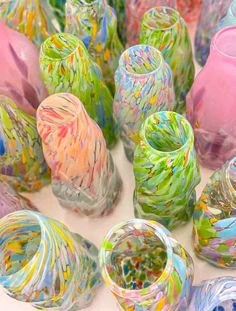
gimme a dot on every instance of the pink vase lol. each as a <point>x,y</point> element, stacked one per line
<point>211,105</point>
<point>20,77</point>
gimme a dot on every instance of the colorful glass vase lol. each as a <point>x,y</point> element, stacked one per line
<point>119,6</point>
<point>144,85</point>
<point>43,263</point>
<point>95,23</point>
<point>215,295</point>
<point>215,218</point>
<point>166,170</point>
<point>230,17</point>
<point>135,10</point>
<point>20,77</point>
<point>211,13</point>
<point>166,30</point>
<point>22,163</point>
<point>34,18</point>
<point>145,268</point>
<point>84,177</point>
<point>211,106</point>
<point>66,66</point>
<point>189,9</point>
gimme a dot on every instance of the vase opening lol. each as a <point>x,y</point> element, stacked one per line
<point>225,42</point>
<point>227,304</point>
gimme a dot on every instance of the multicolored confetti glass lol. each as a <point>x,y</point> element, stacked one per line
<point>164,29</point>
<point>211,13</point>
<point>189,9</point>
<point>119,6</point>
<point>145,268</point>
<point>67,67</point>
<point>84,177</point>
<point>34,18</point>
<point>95,23</point>
<point>59,11</point>
<point>230,17</point>
<point>215,218</point>
<point>20,77</point>
<point>166,170</point>
<point>43,263</point>
<point>144,85</point>
<point>215,295</point>
<point>22,163</point>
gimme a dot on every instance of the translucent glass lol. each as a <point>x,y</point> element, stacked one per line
<point>230,18</point>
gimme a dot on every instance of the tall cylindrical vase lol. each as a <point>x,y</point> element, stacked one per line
<point>43,263</point>
<point>84,177</point>
<point>119,7</point>
<point>145,268</point>
<point>166,170</point>
<point>189,9</point>
<point>230,17</point>
<point>144,85</point>
<point>66,66</point>
<point>166,30</point>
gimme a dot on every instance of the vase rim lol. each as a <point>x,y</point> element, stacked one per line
<point>217,48</point>
<point>231,176</point>
<point>84,3</point>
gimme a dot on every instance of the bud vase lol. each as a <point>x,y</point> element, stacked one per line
<point>119,6</point>
<point>166,170</point>
<point>230,17</point>
<point>22,163</point>
<point>215,218</point>
<point>67,67</point>
<point>211,13</point>
<point>135,10</point>
<point>34,18</point>
<point>95,23</point>
<point>43,263</point>
<point>20,77</point>
<point>164,29</point>
<point>214,128</point>
<point>216,295</point>
<point>189,9</point>
<point>144,85</point>
<point>145,268</point>
<point>89,182</point>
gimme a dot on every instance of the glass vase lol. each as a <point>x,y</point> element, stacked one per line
<point>215,218</point>
<point>211,13</point>
<point>144,85</point>
<point>95,23</point>
<point>211,106</point>
<point>230,17</point>
<point>145,268</point>
<point>135,10</point>
<point>66,66</point>
<point>43,263</point>
<point>189,9</point>
<point>119,6</point>
<point>89,182</point>
<point>22,163</point>
<point>166,30</point>
<point>166,170</point>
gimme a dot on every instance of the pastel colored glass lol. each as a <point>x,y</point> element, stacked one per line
<point>67,67</point>
<point>230,18</point>
<point>189,9</point>
<point>22,162</point>
<point>119,6</point>
<point>145,268</point>
<point>88,182</point>
<point>215,295</point>
<point>215,218</point>
<point>20,77</point>
<point>95,23</point>
<point>59,11</point>
<point>211,103</point>
<point>43,263</point>
<point>164,29</point>
<point>166,170</point>
<point>34,18</point>
<point>144,85</point>
<point>211,13</point>
<point>135,10</point>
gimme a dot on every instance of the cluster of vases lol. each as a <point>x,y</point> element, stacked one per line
<point>63,106</point>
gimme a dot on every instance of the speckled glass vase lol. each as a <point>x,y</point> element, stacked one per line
<point>189,9</point>
<point>215,218</point>
<point>145,268</point>
<point>22,162</point>
<point>214,295</point>
<point>166,170</point>
<point>88,182</point>
<point>135,10</point>
<point>95,23</point>
<point>66,66</point>
<point>166,30</point>
<point>34,18</point>
<point>144,85</point>
<point>211,13</point>
<point>230,17</point>
<point>119,6</point>
<point>59,11</point>
<point>43,263</point>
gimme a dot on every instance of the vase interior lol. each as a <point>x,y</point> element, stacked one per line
<point>161,18</point>
<point>224,42</point>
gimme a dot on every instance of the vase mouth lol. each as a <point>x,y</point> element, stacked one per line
<point>130,233</point>
<point>86,3</point>
<point>231,177</point>
<point>223,42</point>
